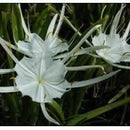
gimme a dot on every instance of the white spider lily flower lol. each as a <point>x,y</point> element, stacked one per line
<point>35,73</point>
<point>118,49</point>
<point>38,78</point>
<point>48,82</point>
<point>35,45</point>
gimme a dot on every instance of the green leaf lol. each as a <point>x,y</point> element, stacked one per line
<point>89,115</point>
<point>5,7</point>
<point>30,111</point>
<point>57,110</point>
<point>39,23</point>
<point>4,22</point>
<point>119,94</point>
<point>17,24</point>
<point>77,100</point>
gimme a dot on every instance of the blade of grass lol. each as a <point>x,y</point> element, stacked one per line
<point>17,24</point>
<point>119,94</point>
<point>89,115</point>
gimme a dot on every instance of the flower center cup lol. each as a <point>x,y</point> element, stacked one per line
<point>40,80</point>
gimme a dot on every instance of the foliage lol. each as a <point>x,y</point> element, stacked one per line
<point>81,106</point>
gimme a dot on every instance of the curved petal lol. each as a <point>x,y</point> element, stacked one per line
<point>121,66</point>
<point>23,22</point>
<point>3,44</point>
<point>82,68</point>
<point>33,47</point>
<point>126,58</point>
<point>60,20</point>
<point>81,51</point>
<point>30,88</point>
<point>116,21</point>
<point>56,45</point>
<point>56,90</point>
<point>94,80</point>
<point>51,27</point>
<point>81,42</point>
<point>48,117</point>
<point>99,40</point>
<point>126,31</point>
<point>61,47</point>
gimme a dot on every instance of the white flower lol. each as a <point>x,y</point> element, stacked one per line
<point>46,80</point>
<point>117,45</point>
<point>35,45</point>
<point>40,78</point>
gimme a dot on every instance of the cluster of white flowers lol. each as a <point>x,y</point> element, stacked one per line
<point>41,75</point>
<point>117,48</point>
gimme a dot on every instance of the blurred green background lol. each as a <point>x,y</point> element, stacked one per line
<point>18,110</point>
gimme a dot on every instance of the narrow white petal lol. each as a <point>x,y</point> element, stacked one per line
<point>94,80</point>
<point>51,26</point>
<point>81,51</point>
<point>76,30</point>
<point>12,46</point>
<point>5,71</point>
<point>48,117</point>
<point>116,21</point>
<point>3,44</point>
<point>23,22</point>
<point>84,38</point>
<point>121,66</point>
<point>126,31</point>
<point>81,42</point>
<point>8,89</point>
<point>79,68</point>
<point>103,11</point>
<point>60,20</point>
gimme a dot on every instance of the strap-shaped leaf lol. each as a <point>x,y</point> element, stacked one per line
<point>119,94</point>
<point>17,24</point>
<point>89,115</point>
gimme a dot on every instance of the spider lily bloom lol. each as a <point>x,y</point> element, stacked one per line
<point>45,83</point>
<point>118,49</point>
<point>35,45</point>
<point>38,78</point>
